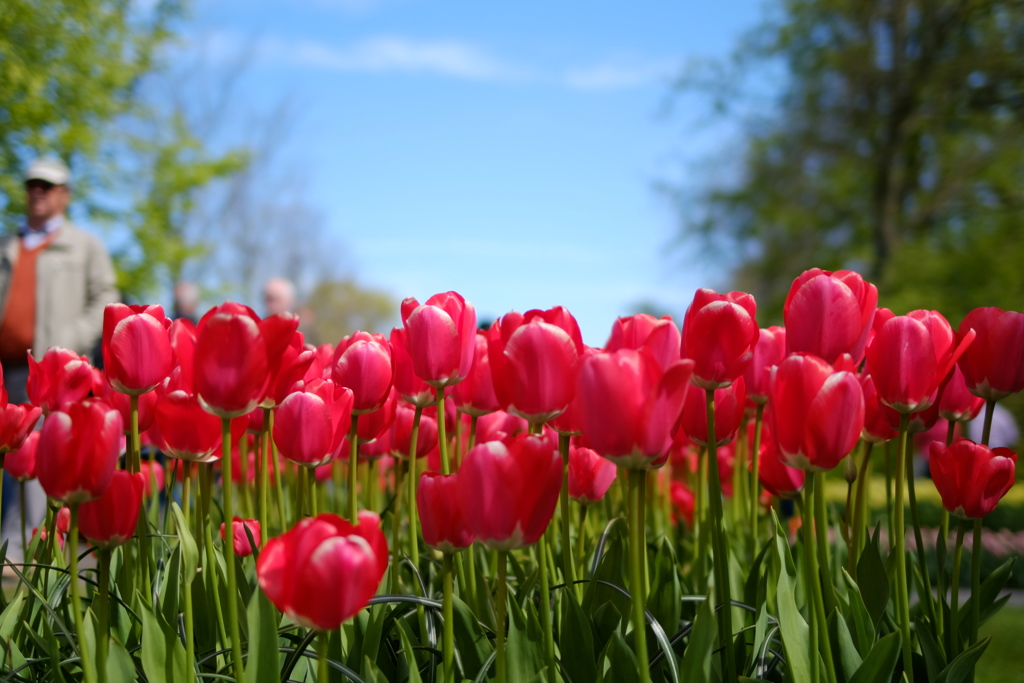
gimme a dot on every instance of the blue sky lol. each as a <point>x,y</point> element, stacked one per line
<point>507,151</point>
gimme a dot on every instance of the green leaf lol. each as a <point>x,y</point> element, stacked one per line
<point>844,652</point>
<point>576,641</point>
<point>880,662</point>
<point>607,619</point>
<point>934,657</point>
<point>857,617</point>
<point>524,648</point>
<point>664,601</point>
<point>873,580</point>
<point>170,591</point>
<point>795,634</point>
<point>410,656</point>
<point>618,661</point>
<point>374,630</point>
<point>163,655</point>
<point>263,664</point>
<point>371,674</point>
<point>696,665</point>
<point>120,666</point>
<point>961,667</point>
<point>187,544</point>
<point>470,640</point>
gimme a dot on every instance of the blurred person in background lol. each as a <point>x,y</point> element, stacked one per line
<point>279,296</point>
<point>186,301</point>
<point>55,279</point>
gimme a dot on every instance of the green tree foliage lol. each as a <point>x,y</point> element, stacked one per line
<point>895,146</point>
<point>336,308</point>
<point>70,82</point>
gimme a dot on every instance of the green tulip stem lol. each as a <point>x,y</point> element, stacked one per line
<point>636,582</point>
<point>313,500</point>
<point>953,631</point>
<point>300,495</point>
<point>860,506</point>
<point>142,525</point>
<point>448,642</point>
<point>414,525</point>
<point>243,471</point>
<point>210,560</point>
<point>499,622</point>
<point>323,670</point>
<point>821,543</point>
<point>986,432</point>
<point>545,609</point>
<point>723,597</point>
<point>76,604</point>
<point>700,522</point>
<point>900,538</point>
<point>353,470</point>
<point>581,541</point>
<point>21,506</point>
<point>976,582</point>
<point>804,502</point>
<point>278,473</point>
<point>563,503</point>
<point>103,615</point>
<point>229,550</point>
<point>941,554</point>
<point>915,518</point>
<point>190,644</point>
<point>818,569</point>
<point>396,526</point>
<point>442,436</point>
<point>755,483</point>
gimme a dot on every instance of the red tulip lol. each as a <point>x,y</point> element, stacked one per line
<point>323,363</point>
<point>374,424</point>
<point>659,335</point>
<point>970,477</point>
<point>236,354</point>
<point>64,520</point>
<point>590,475</point>
<point>287,375</point>
<point>956,403</point>
<point>499,426</point>
<point>534,362</point>
<point>78,450</point>
<point>243,548</point>
<point>61,377</point>
<point>21,463</point>
<point>101,388</point>
<point>876,426</point>
<point>362,362</point>
<point>773,473</point>
<point>683,502</point>
<point>110,520</point>
<point>441,337</point>
<point>410,387</point>
<point>311,423</point>
<point>401,432</point>
<point>910,355</point>
<point>817,412</point>
<point>719,335</point>
<point>993,365</point>
<point>188,431</point>
<point>768,353</point>
<point>324,570</point>
<point>324,473</point>
<point>16,423</point>
<point>509,489</point>
<point>829,314</point>
<point>631,406</point>
<point>155,477</point>
<point>182,335</point>
<point>136,348</point>
<point>730,403</point>
<point>444,524</point>
<point>921,421</point>
<point>475,394</point>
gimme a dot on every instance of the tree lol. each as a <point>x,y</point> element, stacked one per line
<point>895,146</point>
<point>71,77</point>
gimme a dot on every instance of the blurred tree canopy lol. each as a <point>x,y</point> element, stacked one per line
<point>894,146</point>
<point>70,75</point>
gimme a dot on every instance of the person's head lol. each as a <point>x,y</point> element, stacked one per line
<point>279,296</point>
<point>47,192</point>
<point>186,300</point>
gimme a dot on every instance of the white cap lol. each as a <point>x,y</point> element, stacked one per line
<point>50,169</point>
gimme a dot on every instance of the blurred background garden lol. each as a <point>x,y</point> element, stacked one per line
<point>608,159</point>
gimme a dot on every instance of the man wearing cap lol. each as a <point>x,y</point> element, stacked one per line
<point>55,280</point>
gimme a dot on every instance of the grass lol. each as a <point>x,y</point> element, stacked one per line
<point>1001,662</point>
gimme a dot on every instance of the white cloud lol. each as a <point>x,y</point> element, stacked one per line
<point>613,76</point>
<point>393,53</point>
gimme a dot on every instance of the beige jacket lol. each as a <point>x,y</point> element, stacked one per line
<point>74,281</point>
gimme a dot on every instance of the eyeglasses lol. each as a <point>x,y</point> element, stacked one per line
<point>38,185</point>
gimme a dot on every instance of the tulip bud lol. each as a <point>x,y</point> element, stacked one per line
<point>110,520</point>
<point>78,450</point>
